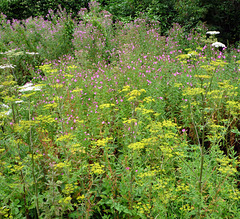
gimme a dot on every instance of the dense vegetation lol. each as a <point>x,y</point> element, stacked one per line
<point>222,15</point>
<point>106,119</point>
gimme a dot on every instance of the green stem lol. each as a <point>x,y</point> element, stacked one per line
<point>24,186</point>
<point>33,163</point>
<point>13,112</point>
<point>202,157</point>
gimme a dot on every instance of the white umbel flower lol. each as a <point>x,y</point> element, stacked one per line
<point>5,106</point>
<point>7,66</point>
<point>7,113</point>
<point>213,32</point>
<point>29,87</point>
<point>19,101</point>
<point>32,53</point>
<point>218,44</point>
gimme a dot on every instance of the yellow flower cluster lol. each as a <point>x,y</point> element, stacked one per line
<point>11,99</point>
<point>225,166</point>
<point>96,168</point>
<point>208,68</point>
<point>129,121</point>
<point>136,145</point>
<point>125,88</point>
<point>215,94</point>
<point>144,111</point>
<point>235,195</point>
<point>51,105</point>
<point>69,188</point>
<point>23,126</point>
<point>103,142</point>
<point>132,95</point>
<point>193,91</point>
<point>161,184</point>
<point>45,119</point>
<point>37,156</point>
<point>182,188</point>
<point>80,198</point>
<point>62,165</point>
<point>77,90</point>
<point>233,107</point>
<point>57,85</point>
<point>149,173</point>
<point>218,62</point>
<point>107,105</point>
<point>17,168</point>
<point>71,67</point>
<point>4,212</point>
<point>8,83</point>
<point>47,69</point>
<point>142,208</point>
<point>183,56</point>
<point>66,200</point>
<point>77,148</point>
<point>202,76</point>
<point>187,208</point>
<point>65,137</point>
<point>178,84</point>
<point>148,99</point>
<point>68,76</point>
<point>155,127</point>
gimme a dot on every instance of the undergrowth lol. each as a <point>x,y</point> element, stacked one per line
<point>128,124</point>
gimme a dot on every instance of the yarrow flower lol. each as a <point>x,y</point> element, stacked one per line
<point>213,32</point>
<point>218,44</point>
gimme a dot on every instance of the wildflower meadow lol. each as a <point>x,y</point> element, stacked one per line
<point>103,119</point>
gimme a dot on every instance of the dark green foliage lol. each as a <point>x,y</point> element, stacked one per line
<point>221,15</point>
<point>190,12</point>
<point>224,15</point>
<point>22,9</point>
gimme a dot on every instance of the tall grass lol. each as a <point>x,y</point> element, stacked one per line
<point>118,121</point>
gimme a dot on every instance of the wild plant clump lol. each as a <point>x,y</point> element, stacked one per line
<point>112,120</point>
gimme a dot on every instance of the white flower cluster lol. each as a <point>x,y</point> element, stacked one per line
<point>32,53</point>
<point>29,87</point>
<point>7,66</point>
<point>218,44</point>
<point>19,101</point>
<point>213,32</point>
<point>10,51</point>
<point>18,53</point>
<point>6,112</point>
